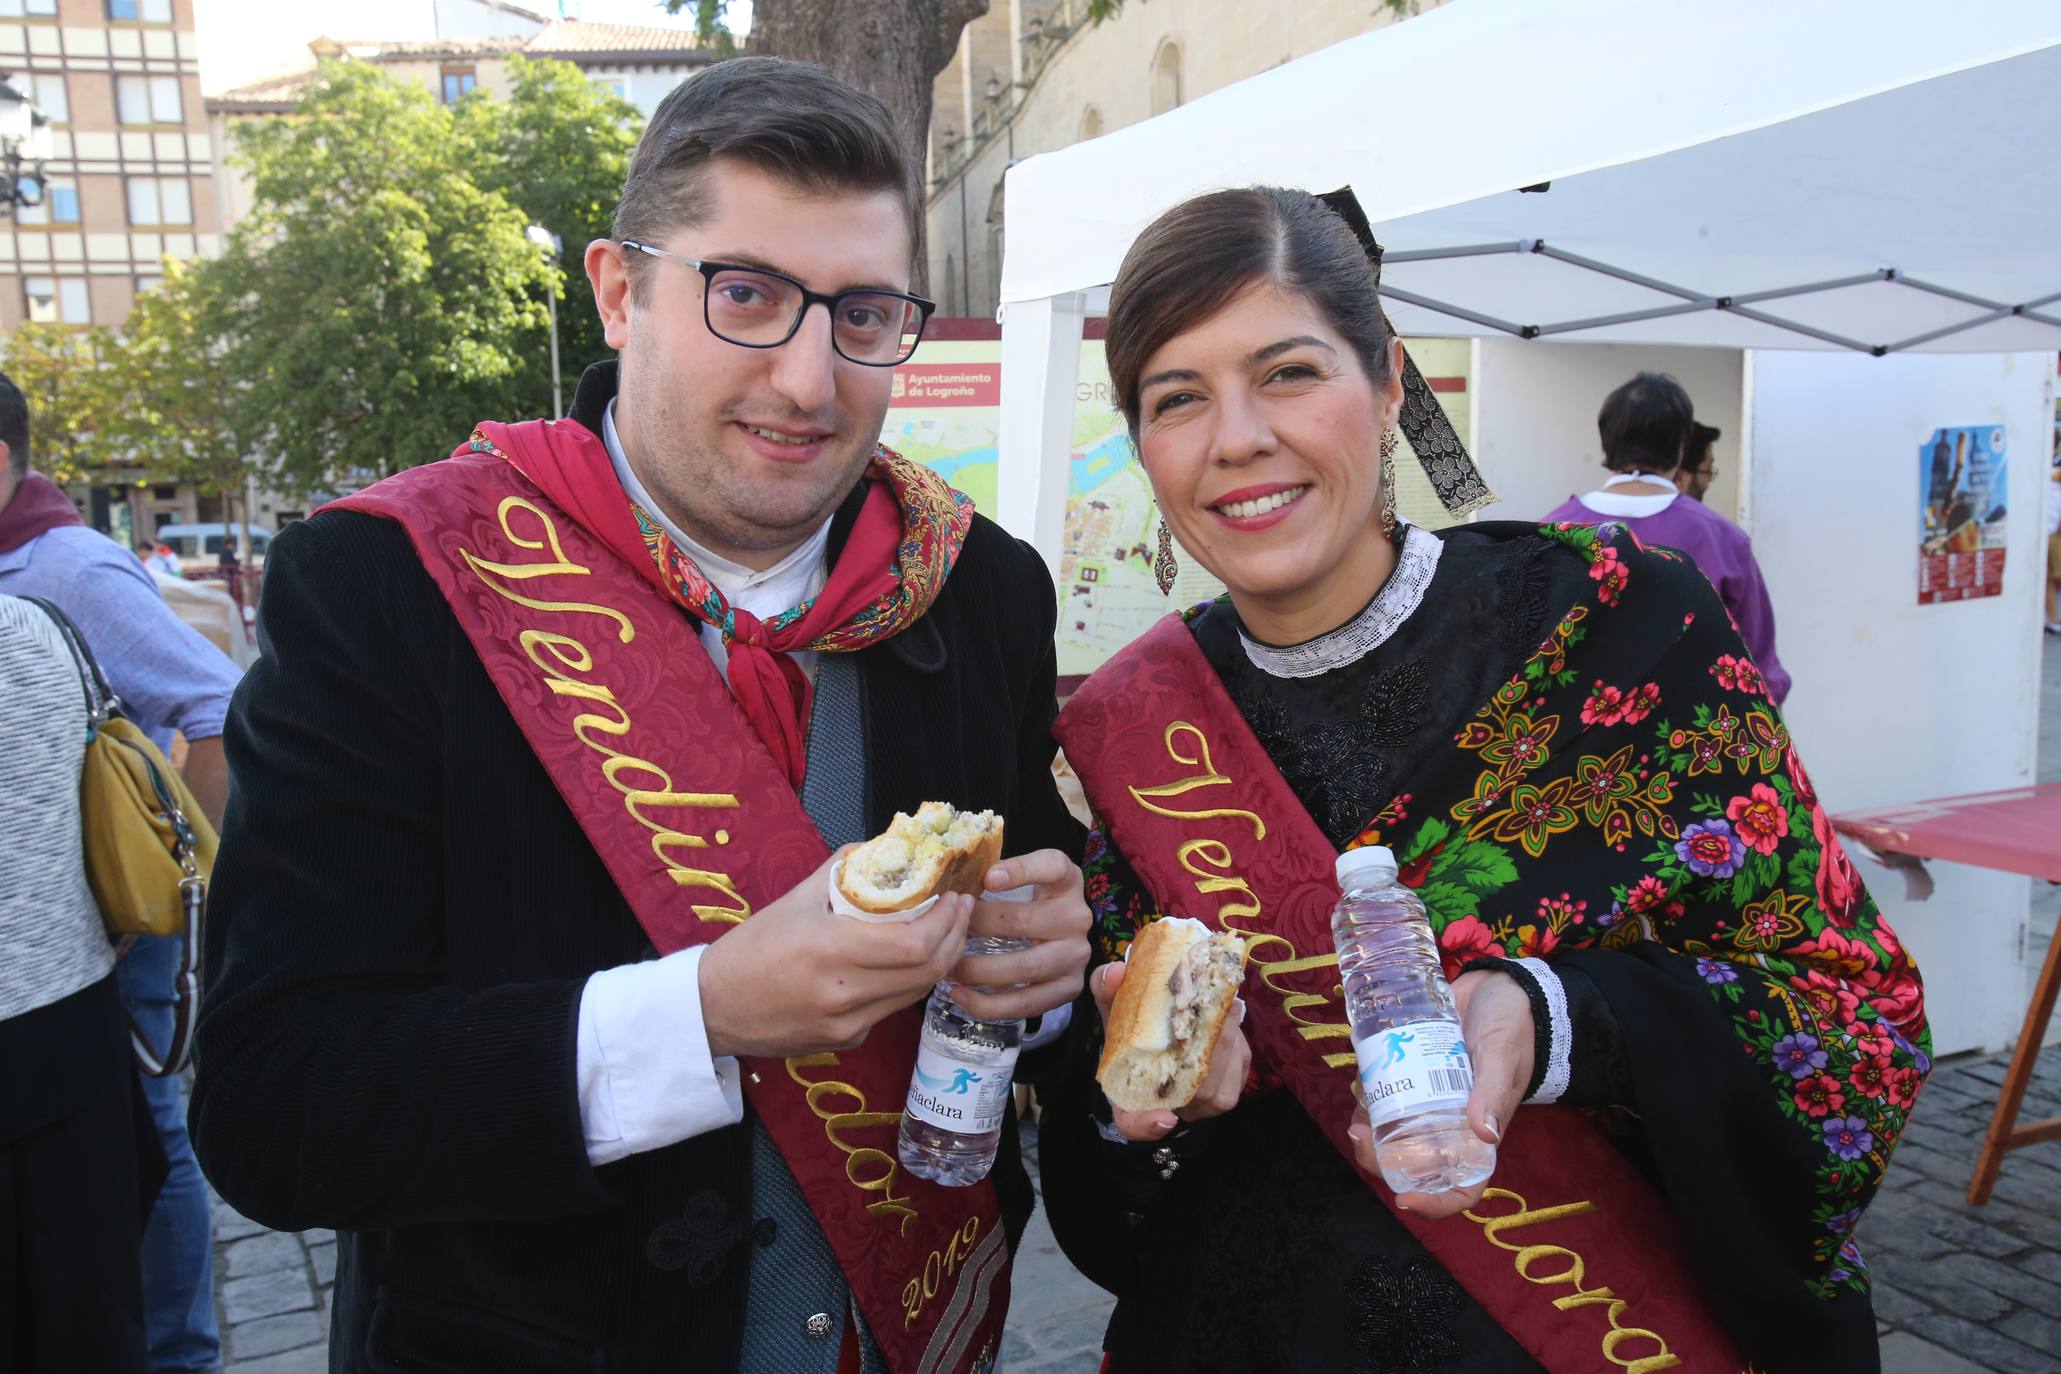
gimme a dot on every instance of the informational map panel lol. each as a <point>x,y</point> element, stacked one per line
<point>946,414</point>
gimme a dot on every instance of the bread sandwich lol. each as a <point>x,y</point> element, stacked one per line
<point>1180,981</point>
<point>939,849</point>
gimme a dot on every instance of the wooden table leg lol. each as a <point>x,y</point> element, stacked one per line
<point>2004,1119</point>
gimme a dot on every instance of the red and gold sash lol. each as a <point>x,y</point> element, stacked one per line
<point>1570,1249</point>
<point>699,826</point>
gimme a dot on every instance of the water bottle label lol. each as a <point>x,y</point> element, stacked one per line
<point>1410,1067</point>
<point>958,1097</point>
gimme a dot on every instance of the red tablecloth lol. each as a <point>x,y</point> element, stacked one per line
<point>2018,831</point>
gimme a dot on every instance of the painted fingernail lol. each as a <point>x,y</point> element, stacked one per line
<point>1357,1133</point>
<point>1495,1127</point>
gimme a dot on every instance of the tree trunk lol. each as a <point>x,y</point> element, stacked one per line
<point>892,48</point>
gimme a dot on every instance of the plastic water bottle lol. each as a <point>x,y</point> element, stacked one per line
<point>1414,1072</point>
<point>959,1093</point>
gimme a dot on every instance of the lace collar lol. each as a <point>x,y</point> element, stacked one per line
<point>1397,600</point>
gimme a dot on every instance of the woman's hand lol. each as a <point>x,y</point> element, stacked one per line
<point>1495,1021</point>
<point>1220,1088</point>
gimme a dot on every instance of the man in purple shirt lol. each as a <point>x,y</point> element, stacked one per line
<point>1649,432</point>
<point>168,678</point>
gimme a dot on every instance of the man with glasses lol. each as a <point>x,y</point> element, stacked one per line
<point>1699,469</point>
<point>524,975</point>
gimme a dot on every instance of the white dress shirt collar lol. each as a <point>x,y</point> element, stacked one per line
<point>785,585</point>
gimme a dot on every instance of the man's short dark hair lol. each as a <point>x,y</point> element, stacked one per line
<point>1645,424</point>
<point>14,426</point>
<point>793,120</point>
<point>1701,437</point>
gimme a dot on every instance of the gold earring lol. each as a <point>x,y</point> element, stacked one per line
<point>1388,442</point>
<point>1163,565</point>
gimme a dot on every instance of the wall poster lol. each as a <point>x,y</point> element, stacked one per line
<point>1961,471</point>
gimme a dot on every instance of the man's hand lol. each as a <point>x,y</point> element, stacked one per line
<point>1028,982</point>
<point>797,978</point>
<point>1221,1086</point>
<point>1495,1021</point>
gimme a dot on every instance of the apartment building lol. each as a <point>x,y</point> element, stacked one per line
<point>132,175</point>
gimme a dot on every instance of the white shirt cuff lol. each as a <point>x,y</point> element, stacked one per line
<point>646,1077</point>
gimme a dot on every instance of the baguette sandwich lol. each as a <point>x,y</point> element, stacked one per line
<point>1180,981</point>
<point>939,849</point>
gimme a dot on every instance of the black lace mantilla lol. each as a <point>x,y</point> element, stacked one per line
<point>1403,1318</point>
<point>1346,739</point>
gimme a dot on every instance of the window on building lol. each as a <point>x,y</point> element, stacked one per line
<point>459,81</point>
<point>1166,78</point>
<point>147,11</point>
<point>60,204</point>
<point>1091,124</point>
<point>46,91</point>
<point>149,100</point>
<point>57,300</point>
<point>155,201</point>
<point>149,282</point>
<point>34,9</point>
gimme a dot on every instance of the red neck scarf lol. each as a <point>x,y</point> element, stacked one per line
<point>39,506</point>
<point>908,536</point>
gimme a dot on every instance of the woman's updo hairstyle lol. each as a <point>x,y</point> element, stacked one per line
<point>1194,259</point>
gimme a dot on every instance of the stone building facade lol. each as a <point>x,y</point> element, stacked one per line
<point>1033,76</point>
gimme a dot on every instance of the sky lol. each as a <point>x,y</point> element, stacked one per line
<point>243,40</point>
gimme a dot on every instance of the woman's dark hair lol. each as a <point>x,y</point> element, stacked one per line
<point>1645,425</point>
<point>1191,261</point>
<point>793,120</point>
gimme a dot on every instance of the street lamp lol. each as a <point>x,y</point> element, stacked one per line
<point>26,142</point>
<point>547,243</point>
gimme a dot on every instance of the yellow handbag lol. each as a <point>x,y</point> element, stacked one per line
<point>149,847</point>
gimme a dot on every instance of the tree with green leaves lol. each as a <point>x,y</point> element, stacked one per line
<point>385,300</point>
<point>177,407</point>
<point>556,147</point>
<point>893,49</point>
<point>63,372</point>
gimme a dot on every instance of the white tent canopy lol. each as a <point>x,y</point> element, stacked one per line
<point>1724,150</point>
<point>1870,174</point>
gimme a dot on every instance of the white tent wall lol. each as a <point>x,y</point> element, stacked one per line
<point>1535,416</point>
<point>1894,701</point>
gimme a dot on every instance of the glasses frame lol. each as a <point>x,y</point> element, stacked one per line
<point>708,267</point>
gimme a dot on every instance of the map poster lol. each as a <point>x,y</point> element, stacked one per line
<point>1961,475</point>
<point>945,413</point>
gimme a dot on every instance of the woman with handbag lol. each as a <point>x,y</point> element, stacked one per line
<point>79,1162</point>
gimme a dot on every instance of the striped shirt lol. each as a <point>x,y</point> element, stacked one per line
<point>51,940</point>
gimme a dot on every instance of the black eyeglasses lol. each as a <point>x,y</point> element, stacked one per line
<point>754,308</point>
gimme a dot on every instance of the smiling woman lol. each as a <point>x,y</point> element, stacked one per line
<point>1549,727</point>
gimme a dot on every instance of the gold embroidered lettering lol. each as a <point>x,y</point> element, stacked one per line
<point>1209,777</point>
<point>856,1157</point>
<point>558,657</point>
<point>1492,1228</point>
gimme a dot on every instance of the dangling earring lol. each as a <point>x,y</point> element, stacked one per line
<point>1163,565</point>
<point>1388,441</point>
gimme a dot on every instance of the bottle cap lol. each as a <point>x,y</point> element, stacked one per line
<point>1368,860</point>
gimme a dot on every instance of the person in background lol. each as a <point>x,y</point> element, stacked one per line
<point>72,1185</point>
<point>1700,468</point>
<point>1649,434</point>
<point>169,678</point>
<point>156,557</point>
<point>2054,547</point>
